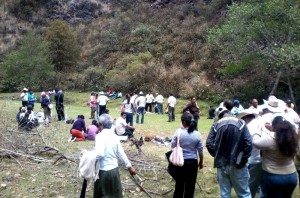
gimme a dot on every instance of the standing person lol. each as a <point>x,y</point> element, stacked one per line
<point>45,102</point>
<point>191,142</point>
<point>194,109</point>
<point>254,106</point>
<point>109,150</point>
<point>237,107</point>
<point>78,129</point>
<point>279,148</point>
<point>31,98</point>
<point>122,128</point>
<point>254,161</point>
<point>229,142</point>
<point>24,97</point>
<point>211,113</point>
<point>97,105</point>
<point>159,102</point>
<point>149,100</point>
<point>92,130</point>
<point>102,100</point>
<point>129,110</point>
<point>59,104</point>
<point>171,107</point>
<point>140,103</point>
<point>93,105</point>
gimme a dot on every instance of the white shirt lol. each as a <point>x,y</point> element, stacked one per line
<point>254,127</point>
<point>257,110</point>
<point>102,100</point>
<point>109,150</point>
<point>140,101</point>
<point>292,115</point>
<point>159,99</point>
<point>132,99</point>
<point>24,96</point>
<point>172,101</point>
<point>149,98</point>
<point>120,126</point>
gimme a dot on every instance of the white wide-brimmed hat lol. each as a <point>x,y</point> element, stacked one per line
<point>101,93</point>
<point>141,93</point>
<point>220,109</point>
<point>25,89</point>
<point>274,105</point>
<point>247,112</point>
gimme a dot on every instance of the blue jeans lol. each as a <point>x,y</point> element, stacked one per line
<point>278,186</point>
<point>255,171</point>
<point>129,118</point>
<point>140,110</point>
<point>230,176</point>
<point>160,108</point>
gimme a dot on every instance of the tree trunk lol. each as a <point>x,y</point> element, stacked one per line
<point>276,83</point>
<point>292,93</point>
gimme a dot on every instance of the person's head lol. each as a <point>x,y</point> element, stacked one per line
<point>228,104</point>
<point>254,103</point>
<point>236,103</point>
<point>30,91</point>
<point>288,103</point>
<point>106,111</point>
<point>43,94</point>
<point>286,137</point>
<point>25,90</point>
<point>248,118</point>
<point>22,109</point>
<point>94,122</point>
<point>141,93</point>
<point>193,100</point>
<point>81,116</point>
<point>29,108</point>
<point>123,115</point>
<point>187,120</point>
<point>105,121</point>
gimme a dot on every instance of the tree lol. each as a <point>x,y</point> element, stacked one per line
<point>267,30</point>
<point>64,49</point>
<point>29,65</point>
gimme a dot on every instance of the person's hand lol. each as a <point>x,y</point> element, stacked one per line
<point>131,171</point>
<point>200,165</point>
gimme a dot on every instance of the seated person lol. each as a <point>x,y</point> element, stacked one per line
<point>78,129</point>
<point>27,119</point>
<point>211,113</point>
<point>122,128</point>
<point>92,130</point>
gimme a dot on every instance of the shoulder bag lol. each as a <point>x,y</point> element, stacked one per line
<point>176,157</point>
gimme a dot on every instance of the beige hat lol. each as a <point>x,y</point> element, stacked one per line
<point>25,89</point>
<point>247,112</point>
<point>274,105</point>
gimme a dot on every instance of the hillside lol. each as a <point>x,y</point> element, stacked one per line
<point>156,45</point>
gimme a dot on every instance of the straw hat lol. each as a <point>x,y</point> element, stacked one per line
<point>247,112</point>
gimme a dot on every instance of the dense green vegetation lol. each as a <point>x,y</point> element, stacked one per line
<point>204,48</point>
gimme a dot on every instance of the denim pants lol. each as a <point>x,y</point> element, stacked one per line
<point>160,108</point>
<point>255,171</point>
<point>171,112</point>
<point>140,110</point>
<point>278,186</point>
<point>230,176</point>
<point>129,118</point>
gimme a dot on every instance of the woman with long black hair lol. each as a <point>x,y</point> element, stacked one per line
<point>191,143</point>
<point>279,148</point>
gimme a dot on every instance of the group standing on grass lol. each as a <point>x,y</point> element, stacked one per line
<point>255,150</point>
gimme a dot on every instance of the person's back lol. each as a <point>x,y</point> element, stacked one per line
<point>230,143</point>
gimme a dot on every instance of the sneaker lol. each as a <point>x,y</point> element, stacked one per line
<point>73,140</point>
<point>70,139</point>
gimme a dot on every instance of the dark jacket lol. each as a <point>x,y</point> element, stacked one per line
<point>193,109</point>
<point>45,102</point>
<point>229,142</point>
<point>59,98</point>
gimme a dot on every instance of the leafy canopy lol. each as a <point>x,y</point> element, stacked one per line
<point>64,49</point>
<point>29,65</point>
<point>269,29</point>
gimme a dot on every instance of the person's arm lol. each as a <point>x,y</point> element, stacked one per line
<point>247,147</point>
<point>210,142</point>
<point>99,146</point>
<point>200,153</point>
<point>186,108</point>
<point>121,154</point>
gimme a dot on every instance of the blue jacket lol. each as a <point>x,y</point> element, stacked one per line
<point>229,142</point>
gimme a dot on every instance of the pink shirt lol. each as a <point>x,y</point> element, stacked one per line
<point>91,131</point>
<point>93,101</point>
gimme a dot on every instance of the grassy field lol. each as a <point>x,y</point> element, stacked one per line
<point>25,178</point>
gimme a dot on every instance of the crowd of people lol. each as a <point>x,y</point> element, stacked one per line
<point>255,149</point>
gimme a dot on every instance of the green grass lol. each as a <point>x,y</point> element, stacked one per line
<point>60,180</point>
